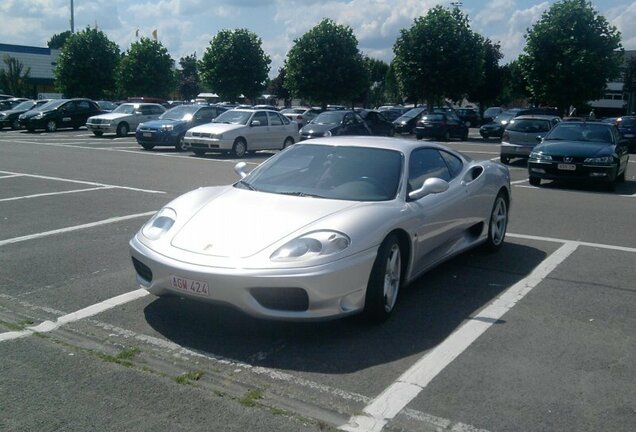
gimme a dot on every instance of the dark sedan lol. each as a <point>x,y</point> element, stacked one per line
<point>627,127</point>
<point>11,118</point>
<point>332,123</point>
<point>172,125</point>
<point>580,151</point>
<point>60,113</point>
<point>378,123</point>
<point>405,124</point>
<point>442,124</point>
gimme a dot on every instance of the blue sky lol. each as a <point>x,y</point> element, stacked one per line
<point>187,26</point>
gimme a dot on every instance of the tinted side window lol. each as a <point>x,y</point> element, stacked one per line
<point>274,119</point>
<point>261,116</point>
<point>83,105</point>
<point>454,163</point>
<point>156,110</point>
<point>426,163</point>
<point>205,114</point>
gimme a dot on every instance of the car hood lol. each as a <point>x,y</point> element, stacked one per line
<point>12,112</point>
<point>217,128</point>
<point>157,124</point>
<point>33,113</point>
<point>239,223</point>
<point>317,128</point>
<point>574,148</point>
<point>112,116</point>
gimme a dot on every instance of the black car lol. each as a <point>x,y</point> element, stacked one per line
<point>580,151</point>
<point>60,113</point>
<point>490,113</point>
<point>496,127</point>
<point>7,104</point>
<point>470,116</point>
<point>378,123</point>
<point>627,127</point>
<point>442,124</point>
<point>11,118</point>
<point>337,122</point>
<point>405,124</point>
<point>171,126</point>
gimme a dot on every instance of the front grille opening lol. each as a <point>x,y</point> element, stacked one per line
<point>142,270</point>
<point>283,299</point>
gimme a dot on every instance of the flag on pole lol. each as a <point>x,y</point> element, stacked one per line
<point>154,34</point>
<point>137,33</point>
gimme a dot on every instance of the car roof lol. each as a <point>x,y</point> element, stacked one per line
<point>536,116</point>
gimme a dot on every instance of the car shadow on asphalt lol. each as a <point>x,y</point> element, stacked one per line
<point>428,311</point>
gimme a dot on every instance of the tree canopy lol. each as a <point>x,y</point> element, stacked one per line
<point>277,86</point>
<point>189,77</point>
<point>570,54</point>
<point>146,70</point>
<point>234,63</point>
<point>87,64</point>
<point>438,57</point>
<point>14,79</point>
<point>325,65</point>
<point>57,40</point>
<point>491,86</point>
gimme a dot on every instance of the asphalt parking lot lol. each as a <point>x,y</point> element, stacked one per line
<point>537,337</point>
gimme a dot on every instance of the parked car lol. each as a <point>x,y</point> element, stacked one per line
<point>242,131</point>
<point>336,122</point>
<point>7,104</point>
<point>442,124</point>
<point>627,127</point>
<point>581,151</point>
<point>496,127</point>
<point>60,113</point>
<point>106,106</point>
<point>265,106</point>
<point>522,135</point>
<point>320,230</point>
<point>378,123</point>
<point>490,113</point>
<point>123,119</point>
<point>170,128</point>
<point>470,116</point>
<point>405,124</point>
<point>11,118</point>
<point>392,113</point>
<point>301,115</point>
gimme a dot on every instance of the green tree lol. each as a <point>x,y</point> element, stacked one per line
<point>86,65</point>
<point>14,79</point>
<point>438,57</point>
<point>58,40</point>
<point>189,86</point>
<point>277,86</point>
<point>515,87</point>
<point>376,93</point>
<point>629,85</point>
<point>146,70</point>
<point>234,63</point>
<point>570,54</point>
<point>325,65</point>
<point>490,87</point>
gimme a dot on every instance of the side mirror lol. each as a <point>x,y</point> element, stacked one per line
<point>239,168</point>
<point>539,138</point>
<point>255,123</point>
<point>432,185</point>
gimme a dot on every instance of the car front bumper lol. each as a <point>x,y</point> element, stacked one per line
<point>208,144</point>
<point>331,290</point>
<point>582,172</point>
<point>104,128</point>
<point>157,137</point>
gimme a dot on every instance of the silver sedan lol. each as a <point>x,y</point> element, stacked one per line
<point>326,228</point>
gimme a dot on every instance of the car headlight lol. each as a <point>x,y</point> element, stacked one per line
<point>216,136</point>
<point>540,156</point>
<point>38,115</point>
<point>312,245</point>
<point>167,128</point>
<point>603,160</point>
<point>328,133</point>
<point>159,224</point>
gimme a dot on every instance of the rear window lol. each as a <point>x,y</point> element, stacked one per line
<point>628,122</point>
<point>433,117</point>
<point>529,126</point>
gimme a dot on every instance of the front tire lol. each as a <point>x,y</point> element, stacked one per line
<point>181,146</point>
<point>199,152</point>
<point>51,126</point>
<point>447,136</point>
<point>504,159</point>
<point>147,146</point>
<point>288,141</point>
<point>497,224</point>
<point>384,281</point>
<point>98,133</point>
<point>239,148</point>
<point>534,181</point>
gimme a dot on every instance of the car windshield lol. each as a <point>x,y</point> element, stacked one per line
<point>505,117</point>
<point>234,117</point>
<point>413,112</point>
<point>433,117</point>
<point>491,112</point>
<point>583,132</point>
<point>628,122</point>
<point>332,172</point>
<point>329,117</point>
<point>529,126</point>
<point>53,104</point>
<point>23,106</point>
<point>181,112</point>
<point>125,109</point>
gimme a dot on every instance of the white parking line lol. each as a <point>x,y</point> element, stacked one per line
<point>84,182</point>
<point>408,386</point>
<point>48,326</point>
<point>11,176</point>
<point>57,193</point>
<point>73,228</point>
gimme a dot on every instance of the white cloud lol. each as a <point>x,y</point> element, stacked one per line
<point>623,18</point>
<point>496,11</point>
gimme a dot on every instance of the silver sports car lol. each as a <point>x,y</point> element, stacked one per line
<point>326,228</point>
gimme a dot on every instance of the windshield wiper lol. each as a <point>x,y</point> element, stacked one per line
<point>246,185</point>
<point>301,194</point>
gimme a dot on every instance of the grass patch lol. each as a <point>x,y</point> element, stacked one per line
<point>251,397</point>
<point>189,377</point>
<point>124,358</point>
<point>19,326</point>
